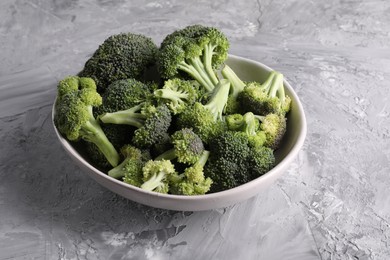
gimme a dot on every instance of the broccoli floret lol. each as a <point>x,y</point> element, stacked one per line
<point>206,120</point>
<point>269,97</point>
<point>124,94</point>
<point>156,175</point>
<point>121,56</point>
<point>187,147</point>
<point>74,117</point>
<point>236,87</point>
<point>228,163</point>
<point>195,51</point>
<point>131,165</point>
<point>152,122</point>
<point>177,94</point>
<point>261,160</point>
<point>274,127</point>
<point>192,181</point>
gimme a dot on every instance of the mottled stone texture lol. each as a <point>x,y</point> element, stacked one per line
<point>333,202</point>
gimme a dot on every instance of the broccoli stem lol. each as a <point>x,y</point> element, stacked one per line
<point>277,88</point>
<point>118,171</point>
<point>195,69</point>
<point>250,123</point>
<point>125,117</point>
<point>171,95</point>
<point>269,82</point>
<point>154,181</point>
<point>203,158</point>
<point>207,61</point>
<point>218,99</point>
<point>237,85</point>
<point>167,155</point>
<point>92,132</point>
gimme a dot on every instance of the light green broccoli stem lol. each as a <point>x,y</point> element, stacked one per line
<point>125,117</point>
<point>277,86</point>
<point>118,171</point>
<point>168,155</point>
<point>266,86</point>
<point>203,158</point>
<point>218,99</point>
<point>207,61</point>
<point>92,132</point>
<point>175,96</point>
<point>196,69</point>
<point>237,85</point>
<point>154,182</point>
<point>250,123</point>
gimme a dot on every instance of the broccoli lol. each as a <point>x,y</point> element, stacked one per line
<point>131,166</point>
<point>156,175</point>
<point>192,181</point>
<point>188,147</point>
<point>274,127</point>
<point>269,97</point>
<point>228,164</point>
<point>124,94</point>
<point>178,94</point>
<point>236,87</point>
<point>74,117</point>
<point>152,122</point>
<point>121,56</point>
<point>195,51</point>
<point>261,160</point>
<point>206,120</point>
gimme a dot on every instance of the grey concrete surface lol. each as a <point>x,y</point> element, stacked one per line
<point>332,203</point>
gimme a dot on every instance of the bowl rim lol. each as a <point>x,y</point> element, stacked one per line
<point>211,196</point>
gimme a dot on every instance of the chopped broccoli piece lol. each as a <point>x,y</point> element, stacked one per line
<point>195,51</point>
<point>178,94</point>
<point>192,181</point>
<point>274,127</point>
<point>206,120</point>
<point>132,164</point>
<point>236,87</point>
<point>121,56</point>
<point>156,175</point>
<point>261,160</point>
<point>269,97</point>
<point>187,147</point>
<point>74,117</point>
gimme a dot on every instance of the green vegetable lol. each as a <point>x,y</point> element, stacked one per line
<point>120,56</point>
<point>196,52</point>
<point>156,175</point>
<point>74,117</point>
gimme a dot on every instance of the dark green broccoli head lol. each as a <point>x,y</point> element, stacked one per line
<point>188,147</point>
<point>230,145</point>
<point>261,160</point>
<point>120,56</point>
<point>124,94</point>
<point>274,127</point>
<point>156,125</point>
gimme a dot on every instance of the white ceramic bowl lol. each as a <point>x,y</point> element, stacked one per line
<point>292,143</point>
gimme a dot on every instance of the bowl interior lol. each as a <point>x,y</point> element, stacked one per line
<point>247,70</point>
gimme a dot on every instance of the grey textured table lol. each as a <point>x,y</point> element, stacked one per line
<point>332,203</point>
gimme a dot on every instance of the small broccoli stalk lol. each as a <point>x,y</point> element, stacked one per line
<point>152,122</point>
<point>177,94</point>
<point>265,98</point>
<point>195,50</point>
<point>236,87</point>
<point>131,116</point>
<point>250,127</point>
<point>74,117</point>
<point>187,147</point>
<point>192,181</point>
<point>156,175</point>
<point>234,122</point>
<point>132,161</point>
<point>206,120</point>
<point>274,127</point>
<point>218,99</point>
